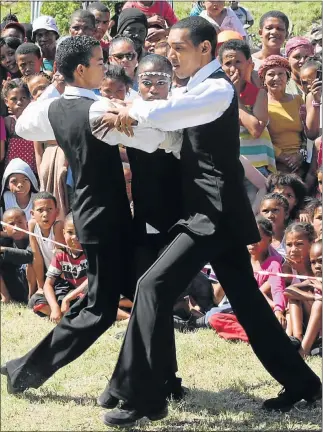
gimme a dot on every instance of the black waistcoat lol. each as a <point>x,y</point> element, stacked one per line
<point>214,196</point>
<point>156,190</point>
<point>101,208</point>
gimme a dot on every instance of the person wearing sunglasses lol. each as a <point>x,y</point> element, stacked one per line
<point>122,52</point>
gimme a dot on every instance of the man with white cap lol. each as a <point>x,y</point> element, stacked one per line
<point>45,34</point>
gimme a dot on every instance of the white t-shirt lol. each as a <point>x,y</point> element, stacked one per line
<point>10,202</point>
<point>230,22</point>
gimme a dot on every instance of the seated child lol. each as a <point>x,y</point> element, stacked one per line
<point>44,224</point>
<point>15,254</point>
<point>16,96</point>
<point>19,186</point>
<point>221,17</point>
<point>66,278</point>
<point>292,188</point>
<point>275,207</point>
<point>306,299</point>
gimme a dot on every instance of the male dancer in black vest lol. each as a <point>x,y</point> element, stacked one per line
<point>101,209</point>
<point>218,225</point>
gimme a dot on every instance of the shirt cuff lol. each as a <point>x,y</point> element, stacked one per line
<point>140,111</point>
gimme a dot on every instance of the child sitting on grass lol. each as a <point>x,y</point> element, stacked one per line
<point>306,299</point>
<point>66,278</point>
<point>15,255</point>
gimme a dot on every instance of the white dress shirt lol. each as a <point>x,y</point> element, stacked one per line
<point>204,101</point>
<point>34,124</point>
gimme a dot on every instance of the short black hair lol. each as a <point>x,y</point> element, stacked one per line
<point>12,84</point>
<point>302,227</point>
<point>13,210</point>
<point>200,30</point>
<point>265,225</point>
<point>98,6</point>
<point>9,18</point>
<point>274,14</point>
<point>84,15</point>
<point>160,62</point>
<point>235,45</point>
<point>38,74</point>
<point>44,196</point>
<point>74,51</point>
<point>279,198</point>
<point>28,48</point>
<point>120,39</point>
<point>11,42</point>
<point>118,73</point>
<point>291,180</point>
<point>69,218</point>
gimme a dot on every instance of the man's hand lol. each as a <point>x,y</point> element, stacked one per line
<point>124,122</point>
<point>103,124</point>
<point>56,315</point>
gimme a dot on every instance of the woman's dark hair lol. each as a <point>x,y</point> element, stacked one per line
<point>10,42</point>
<point>312,206</point>
<point>117,72</point>
<point>72,52</point>
<point>302,227</point>
<point>290,180</point>
<point>200,30</point>
<point>235,45</point>
<point>158,61</point>
<point>279,198</point>
<point>38,74</point>
<point>274,14</point>
<point>265,225</point>
<point>13,84</point>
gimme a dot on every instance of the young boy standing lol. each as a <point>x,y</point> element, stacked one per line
<point>29,59</point>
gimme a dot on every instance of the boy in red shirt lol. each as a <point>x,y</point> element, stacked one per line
<point>157,12</point>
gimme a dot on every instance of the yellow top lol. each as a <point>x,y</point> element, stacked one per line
<point>285,125</point>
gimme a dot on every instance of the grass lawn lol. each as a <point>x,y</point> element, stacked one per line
<point>226,381</point>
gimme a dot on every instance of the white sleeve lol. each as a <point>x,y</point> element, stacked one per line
<point>145,138</point>
<point>49,93</point>
<point>33,124</point>
<point>173,143</point>
<point>203,104</point>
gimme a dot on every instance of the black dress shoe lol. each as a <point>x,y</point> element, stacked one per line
<point>127,416</point>
<point>175,390</point>
<point>10,389</point>
<point>107,401</point>
<point>285,401</point>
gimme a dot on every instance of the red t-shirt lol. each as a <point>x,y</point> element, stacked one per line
<point>73,269</point>
<point>160,8</point>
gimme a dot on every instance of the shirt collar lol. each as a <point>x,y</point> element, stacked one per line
<point>203,74</point>
<point>71,91</point>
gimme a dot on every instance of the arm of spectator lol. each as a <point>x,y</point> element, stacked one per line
<point>3,137</point>
<point>49,292</point>
<point>313,112</point>
<point>39,151</point>
<point>310,178</point>
<point>277,286</point>
<point>257,121</point>
<point>58,232</point>
<point>38,262</point>
<point>16,256</point>
<point>302,291</point>
<point>170,16</point>
<point>72,295</point>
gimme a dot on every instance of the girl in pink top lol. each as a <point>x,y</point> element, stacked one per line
<point>271,286</point>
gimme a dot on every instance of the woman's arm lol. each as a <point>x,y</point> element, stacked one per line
<point>313,111</point>
<point>257,121</point>
<point>39,151</point>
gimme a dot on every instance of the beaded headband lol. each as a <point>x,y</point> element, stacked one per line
<point>155,74</point>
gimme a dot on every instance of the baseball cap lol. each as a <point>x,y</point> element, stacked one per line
<point>45,22</point>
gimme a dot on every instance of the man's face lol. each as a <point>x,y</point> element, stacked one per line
<point>13,32</point>
<point>80,27</point>
<point>28,64</point>
<point>234,5</point>
<point>92,75</point>
<point>136,32</point>
<point>45,39</point>
<point>185,58</point>
<point>102,20</point>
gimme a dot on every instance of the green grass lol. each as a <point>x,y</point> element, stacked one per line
<point>226,381</point>
<point>301,13</point>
